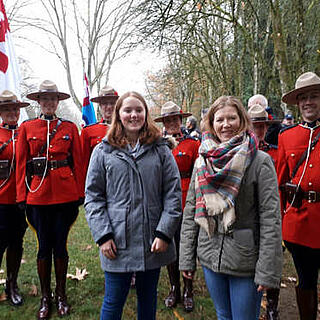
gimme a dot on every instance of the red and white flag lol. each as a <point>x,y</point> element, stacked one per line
<point>9,69</point>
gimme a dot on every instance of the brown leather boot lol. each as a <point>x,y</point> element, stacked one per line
<point>44,271</point>
<point>188,303</point>
<point>174,296</point>
<point>272,304</point>
<point>61,267</point>
<point>14,256</point>
<point>307,300</point>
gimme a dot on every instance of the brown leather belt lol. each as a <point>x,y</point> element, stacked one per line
<point>55,164</point>
<point>311,196</point>
<point>184,174</point>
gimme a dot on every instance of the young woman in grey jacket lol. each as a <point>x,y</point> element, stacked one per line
<point>231,220</point>
<point>133,206</point>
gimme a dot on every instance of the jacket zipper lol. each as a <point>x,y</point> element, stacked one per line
<point>220,254</point>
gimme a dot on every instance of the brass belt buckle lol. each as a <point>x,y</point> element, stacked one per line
<point>312,196</point>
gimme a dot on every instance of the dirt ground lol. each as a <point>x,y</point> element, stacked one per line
<point>287,304</point>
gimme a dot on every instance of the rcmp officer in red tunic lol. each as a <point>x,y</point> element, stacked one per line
<point>50,181</point>
<point>260,123</point>
<point>185,151</point>
<point>93,134</point>
<point>298,173</point>
<point>12,220</point>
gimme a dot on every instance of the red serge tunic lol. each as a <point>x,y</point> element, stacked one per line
<point>91,135</point>
<point>185,154</point>
<point>64,184</point>
<point>300,225</point>
<point>8,187</point>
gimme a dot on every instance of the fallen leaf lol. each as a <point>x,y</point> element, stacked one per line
<point>89,247</point>
<point>3,296</point>
<point>2,281</point>
<point>23,261</point>
<point>80,274</point>
<point>264,304</point>
<point>177,315</point>
<point>33,290</point>
<point>1,271</point>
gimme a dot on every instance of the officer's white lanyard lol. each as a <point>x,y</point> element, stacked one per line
<point>304,168</point>
<point>12,160</point>
<point>46,167</point>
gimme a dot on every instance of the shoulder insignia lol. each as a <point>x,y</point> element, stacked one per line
<point>287,128</point>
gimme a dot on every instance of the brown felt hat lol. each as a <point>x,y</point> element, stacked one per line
<point>171,109</point>
<point>9,99</point>
<point>47,87</point>
<point>107,93</point>
<point>257,113</point>
<point>307,81</point>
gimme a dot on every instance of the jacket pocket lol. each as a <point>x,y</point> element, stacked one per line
<point>242,252</point>
<point>153,217</point>
<point>118,219</point>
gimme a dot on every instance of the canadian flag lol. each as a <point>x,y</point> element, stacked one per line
<point>9,69</point>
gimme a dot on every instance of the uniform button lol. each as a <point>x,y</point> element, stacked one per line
<point>50,146</point>
<point>71,174</point>
<point>34,138</point>
<point>51,157</point>
<point>312,148</point>
<point>292,154</point>
<point>310,165</point>
<point>310,184</point>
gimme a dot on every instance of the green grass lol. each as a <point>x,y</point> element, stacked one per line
<point>86,296</point>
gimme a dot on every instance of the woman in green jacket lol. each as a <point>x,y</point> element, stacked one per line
<point>231,219</point>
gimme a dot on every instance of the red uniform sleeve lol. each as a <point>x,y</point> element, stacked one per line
<point>22,154</point>
<point>78,162</point>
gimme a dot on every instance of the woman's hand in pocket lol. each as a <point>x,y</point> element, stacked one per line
<point>159,245</point>
<point>109,249</point>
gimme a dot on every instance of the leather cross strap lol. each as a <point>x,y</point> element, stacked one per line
<point>304,155</point>
<point>7,142</point>
<point>52,134</point>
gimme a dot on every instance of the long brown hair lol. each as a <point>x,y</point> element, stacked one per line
<point>116,134</point>
<point>230,101</point>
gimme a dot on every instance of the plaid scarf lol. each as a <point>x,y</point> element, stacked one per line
<point>219,171</point>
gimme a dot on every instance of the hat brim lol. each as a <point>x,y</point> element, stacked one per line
<point>104,98</point>
<point>14,104</point>
<point>183,115</point>
<point>266,121</point>
<point>37,95</point>
<point>291,96</point>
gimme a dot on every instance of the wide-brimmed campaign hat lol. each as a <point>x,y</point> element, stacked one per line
<point>9,99</point>
<point>47,87</point>
<point>257,113</point>
<point>171,109</point>
<point>306,81</point>
<point>107,93</point>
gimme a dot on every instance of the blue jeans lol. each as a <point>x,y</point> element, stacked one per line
<point>117,287</point>
<point>234,298</point>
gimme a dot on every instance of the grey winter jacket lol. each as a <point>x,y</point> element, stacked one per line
<point>254,246</point>
<point>133,199</point>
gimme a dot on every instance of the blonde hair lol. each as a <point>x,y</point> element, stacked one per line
<point>116,134</point>
<point>228,101</point>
